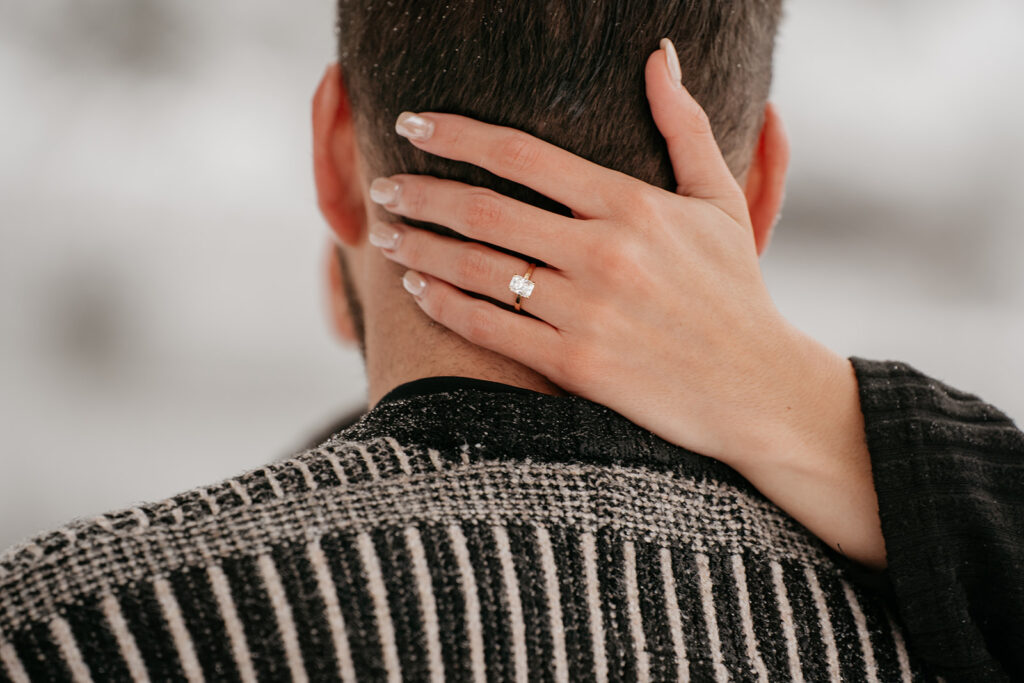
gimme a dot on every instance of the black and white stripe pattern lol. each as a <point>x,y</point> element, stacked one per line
<point>384,560</point>
<point>10,663</point>
<point>530,610</point>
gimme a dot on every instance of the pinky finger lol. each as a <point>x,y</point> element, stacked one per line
<point>532,342</point>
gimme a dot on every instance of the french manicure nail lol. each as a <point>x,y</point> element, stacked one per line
<point>672,58</point>
<point>414,126</point>
<point>413,282</point>
<point>384,191</point>
<point>384,235</point>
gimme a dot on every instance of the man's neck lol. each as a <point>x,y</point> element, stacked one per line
<point>403,344</point>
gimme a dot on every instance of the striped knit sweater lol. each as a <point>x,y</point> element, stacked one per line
<point>462,532</point>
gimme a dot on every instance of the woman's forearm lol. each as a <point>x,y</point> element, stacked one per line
<point>814,461</point>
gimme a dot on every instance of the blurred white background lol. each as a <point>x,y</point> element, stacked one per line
<point>161,307</point>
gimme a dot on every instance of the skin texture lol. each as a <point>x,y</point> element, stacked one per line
<point>652,303</point>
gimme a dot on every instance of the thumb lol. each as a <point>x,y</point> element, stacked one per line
<point>697,161</point>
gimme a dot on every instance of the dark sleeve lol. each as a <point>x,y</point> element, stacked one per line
<point>949,472</point>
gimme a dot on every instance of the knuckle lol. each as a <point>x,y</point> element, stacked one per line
<point>696,120</point>
<point>482,210</point>
<point>621,194</point>
<point>647,204</point>
<point>438,305</point>
<point>601,255</point>
<point>633,253</point>
<point>516,152</point>
<point>616,258</point>
<point>413,198</point>
<point>601,320</point>
<point>478,326</point>
<point>456,134</point>
<point>614,262</point>
<point>410,248</point>
<point>472,265</point>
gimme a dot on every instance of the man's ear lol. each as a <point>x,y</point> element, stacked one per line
<point>335,160</point>
<point>766,178</point>
<point>339,310</point>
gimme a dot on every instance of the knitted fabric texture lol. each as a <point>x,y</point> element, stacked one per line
<point>469,535</point>
<point>949,472</point>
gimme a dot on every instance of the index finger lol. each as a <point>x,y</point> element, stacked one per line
<point>581,185</point>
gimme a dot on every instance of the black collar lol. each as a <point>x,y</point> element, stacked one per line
<point>505,422</point>
<point>440,385</point>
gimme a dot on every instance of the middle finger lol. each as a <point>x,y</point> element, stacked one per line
<point>479,214</point>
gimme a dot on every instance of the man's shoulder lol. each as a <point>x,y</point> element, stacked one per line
<point>360,505</point>
<point>334,464</point>
<point>360,482</point>
<point>242,514</point>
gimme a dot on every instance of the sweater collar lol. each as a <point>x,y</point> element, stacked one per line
<point>505,422</point>
<point>448,383</point>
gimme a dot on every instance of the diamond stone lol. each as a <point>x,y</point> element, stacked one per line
<point>521,286</point>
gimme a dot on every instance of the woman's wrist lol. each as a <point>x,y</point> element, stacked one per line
<point>810,457</point>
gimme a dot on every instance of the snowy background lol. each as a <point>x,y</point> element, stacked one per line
<point>161,307</point>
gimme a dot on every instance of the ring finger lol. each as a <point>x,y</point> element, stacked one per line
<point>475,268</point>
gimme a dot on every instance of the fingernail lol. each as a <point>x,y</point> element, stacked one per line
<point>413,282</point>
<point>385,235</point>
<point>672,58</point>
<point>413,126</point>
<point>384,191</point>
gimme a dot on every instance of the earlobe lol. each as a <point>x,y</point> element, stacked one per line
<point>338,184</point>
<point>766,179</point>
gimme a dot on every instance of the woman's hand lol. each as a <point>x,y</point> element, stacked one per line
<point>649,302</point>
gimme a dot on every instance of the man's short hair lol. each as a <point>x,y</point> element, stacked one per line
<point>568,71</point>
